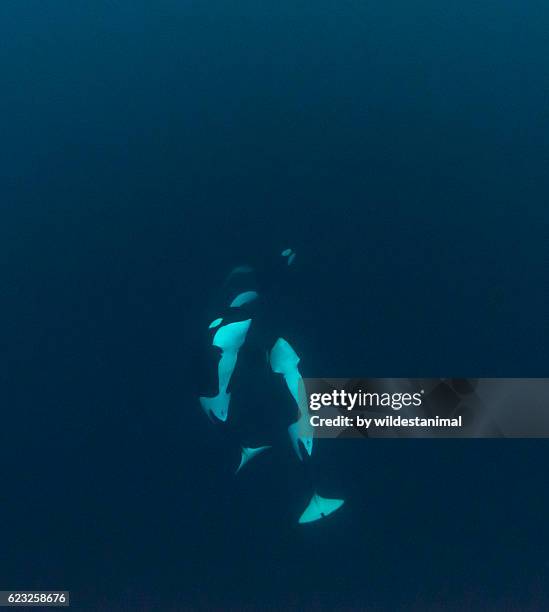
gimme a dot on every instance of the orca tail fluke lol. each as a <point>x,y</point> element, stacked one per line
<point>249,453</point>
<point>217,406</point>
<point>318,508</point>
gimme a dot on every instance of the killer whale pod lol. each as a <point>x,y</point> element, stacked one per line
<point>229,339</point>
<point>283,360</point>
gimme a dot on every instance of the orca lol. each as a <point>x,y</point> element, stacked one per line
<point>229,339</point>
<point>284,360</point>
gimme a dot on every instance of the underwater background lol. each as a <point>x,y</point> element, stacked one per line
<point>148,147</point>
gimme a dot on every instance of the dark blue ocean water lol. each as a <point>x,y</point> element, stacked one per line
<point>401,149</point>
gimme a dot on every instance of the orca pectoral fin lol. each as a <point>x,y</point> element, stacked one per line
<point>318,508</point>
<point>249,453</point>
